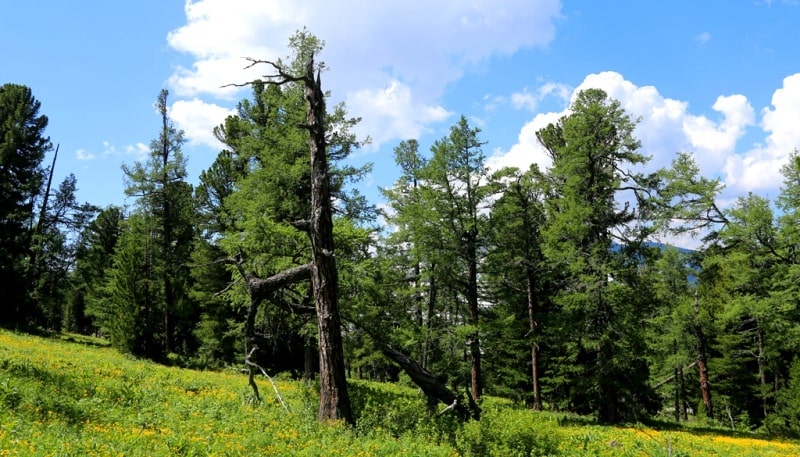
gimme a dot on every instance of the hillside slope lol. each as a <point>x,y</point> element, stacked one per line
<point>60,397</point>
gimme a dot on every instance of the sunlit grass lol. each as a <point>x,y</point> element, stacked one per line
<point>72,396</point>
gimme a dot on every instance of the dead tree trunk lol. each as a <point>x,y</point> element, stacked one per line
<point>166,224</point>
<point>41,223</point>
<point>434,390</point>
<point>762,369</point>
<point>334,402</point>
<point>472,303</point>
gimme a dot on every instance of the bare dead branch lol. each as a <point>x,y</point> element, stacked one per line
<point>302,225</point>
<point>253,365</point>
<point>452,406</point>
<point>671,377</point>
<point>280,77</point>
<point>227,288</point>
<point>262,288</point>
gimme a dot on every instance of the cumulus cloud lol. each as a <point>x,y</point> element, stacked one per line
<point>758,169</point>
<point>374,48</point>
<point>668,125</point>
<point>198,118</point>
<point>394,113</point>
<point>527,150</point>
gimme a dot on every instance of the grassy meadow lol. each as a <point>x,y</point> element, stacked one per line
<point>74,396</point>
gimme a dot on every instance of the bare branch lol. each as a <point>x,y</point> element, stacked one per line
<point>252,365</point>
<point>452,406</point>
<point>227,288</point>
<point>279,78</point>
<point>302,225</point>
<point>261,288</point>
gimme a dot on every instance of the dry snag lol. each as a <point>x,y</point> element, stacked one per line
<point>334,399</point>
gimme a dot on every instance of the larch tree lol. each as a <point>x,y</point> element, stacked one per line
<point>56,243</point>
<point>412,245</point>
<point>164,202</point>
<point>458,189</point>
<point>86,305</point>
<point>519,278</point>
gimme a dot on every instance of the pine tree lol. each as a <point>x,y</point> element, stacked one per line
<point>594,240</point>
<point>23,145</point>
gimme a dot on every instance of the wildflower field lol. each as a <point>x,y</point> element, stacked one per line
<point>73,396</point>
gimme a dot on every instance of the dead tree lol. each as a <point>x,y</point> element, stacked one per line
<point>334,400</point>
<point>434,390</point>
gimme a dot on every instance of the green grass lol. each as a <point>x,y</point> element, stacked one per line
<point>74,396</point>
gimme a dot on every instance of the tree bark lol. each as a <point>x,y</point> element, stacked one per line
<point>705,387</point>
<point>762,371</point>
<point>433,389</point>
<point>261,288</point>
<point>166,274</point>
<point>432,295</point>
<point>677,394</point>
<point>472,303</point>
<point>537,394</point>
<point>334,402</point>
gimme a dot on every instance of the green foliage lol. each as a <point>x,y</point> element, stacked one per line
<point>23,145</point>
<point>162,235</point>
<point>125,307</point>
<point>75,398</point>
<point>786,420</point>
<point>508,433</point>
<point>438,242</point>
<point>594,160</point>
<point>55,250</point>
<point>520,284</point>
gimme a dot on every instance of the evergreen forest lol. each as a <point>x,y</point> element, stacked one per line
<point>549,288</point>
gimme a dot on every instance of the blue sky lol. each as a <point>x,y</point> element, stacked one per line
<point>720,78</point>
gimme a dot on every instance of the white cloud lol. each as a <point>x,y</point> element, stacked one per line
<point>109,149</point>
<point>197,119</point>
<point>527,150</point>
<point>783,119</point>
<point>703,38</point>
<point>530,100</point>
<point>373,47</point>
<point>81,154</point>
<point>668,126</point>
<point>394,113</point>
<point>139,150</point>
<point>759,168</point>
